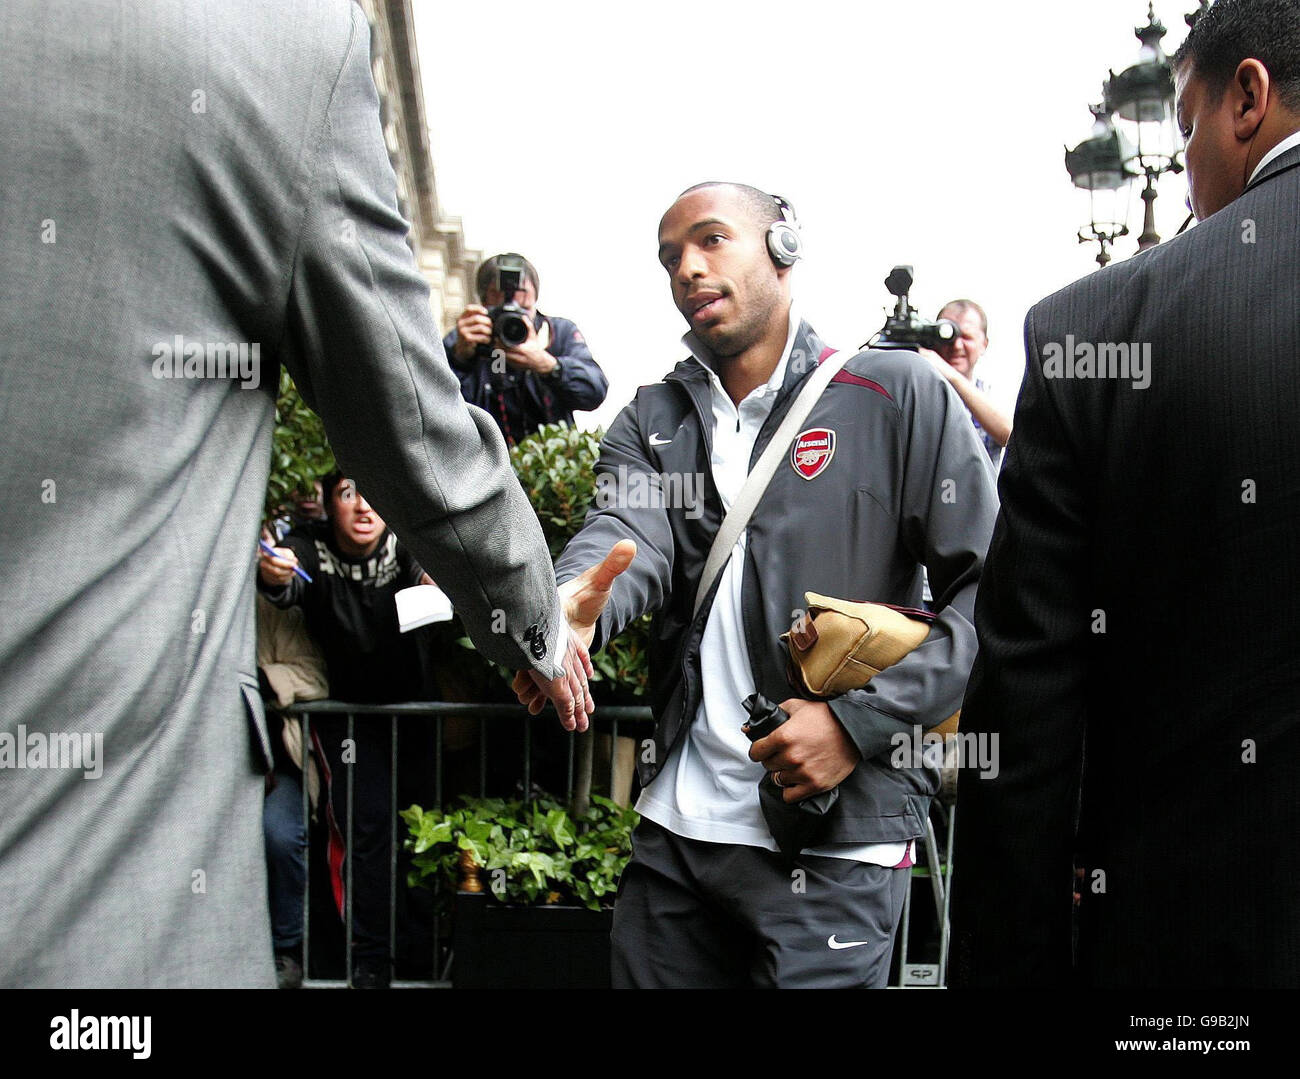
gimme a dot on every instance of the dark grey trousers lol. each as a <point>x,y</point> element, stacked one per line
<point>721,916</point>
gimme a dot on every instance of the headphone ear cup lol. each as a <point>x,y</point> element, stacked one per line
<point>784,243</point>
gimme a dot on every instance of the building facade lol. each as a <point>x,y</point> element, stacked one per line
<point>437,240</point>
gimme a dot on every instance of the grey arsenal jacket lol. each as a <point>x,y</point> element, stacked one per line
<point>886,476</point>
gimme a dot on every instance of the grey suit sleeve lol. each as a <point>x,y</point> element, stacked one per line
<point>948,508</point>
<point>642,587</point>
<point>1015,832</point>
<point>363,349</point>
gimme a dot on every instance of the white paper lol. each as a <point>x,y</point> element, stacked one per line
<point>421,604</point>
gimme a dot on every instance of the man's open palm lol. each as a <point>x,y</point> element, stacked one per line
<point>584,599</point>
<point>585,596</point>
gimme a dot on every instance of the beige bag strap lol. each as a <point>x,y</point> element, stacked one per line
<point>737,518</point>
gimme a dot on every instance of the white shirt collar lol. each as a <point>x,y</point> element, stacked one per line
<point>700,351</point>
<point>1282,147</point>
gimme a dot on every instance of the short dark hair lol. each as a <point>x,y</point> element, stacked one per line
<point>327,488</point>
<point>487,275</point>
<point>968,305</point>
<point>1231,31</point>
<point>763,209</point>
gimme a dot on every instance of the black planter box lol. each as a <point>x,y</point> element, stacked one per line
<point>546,947</point>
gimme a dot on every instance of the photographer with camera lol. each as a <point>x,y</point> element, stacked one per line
<point>955,360</point>
<point>522,367</point>
<point>953,343</point>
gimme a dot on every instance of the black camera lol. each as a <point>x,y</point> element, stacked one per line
<point>510,322</point>
<point>904,328</point>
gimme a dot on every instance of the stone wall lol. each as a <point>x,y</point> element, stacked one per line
<point>437,240</point>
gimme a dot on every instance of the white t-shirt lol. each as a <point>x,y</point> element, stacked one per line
<point>708,787</point>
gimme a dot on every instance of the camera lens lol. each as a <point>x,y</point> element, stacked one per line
<point>512,329</point>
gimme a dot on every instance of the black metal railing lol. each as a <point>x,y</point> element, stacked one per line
<point>608,721</point>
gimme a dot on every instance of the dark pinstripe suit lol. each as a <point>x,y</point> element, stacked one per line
<point>1139,630</point>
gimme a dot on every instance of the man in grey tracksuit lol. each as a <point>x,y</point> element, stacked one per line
<point>885,476</point>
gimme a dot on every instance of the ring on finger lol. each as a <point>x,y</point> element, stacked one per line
<point>776,778</point>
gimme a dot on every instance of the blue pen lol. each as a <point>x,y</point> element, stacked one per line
<point>271,551</point>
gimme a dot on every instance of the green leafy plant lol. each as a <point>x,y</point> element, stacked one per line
<point>529,852</point>
<point>300,452</point>
<point>557,467</point>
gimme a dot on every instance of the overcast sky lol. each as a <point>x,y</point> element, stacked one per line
<point>928,132</point>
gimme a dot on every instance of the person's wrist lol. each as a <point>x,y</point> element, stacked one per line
<point>548,366</point>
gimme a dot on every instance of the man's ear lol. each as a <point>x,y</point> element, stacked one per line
<point>1252,89</point>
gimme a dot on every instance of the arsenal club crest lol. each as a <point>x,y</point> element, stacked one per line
<point>812,452</point>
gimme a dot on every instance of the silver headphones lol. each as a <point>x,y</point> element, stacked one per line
<point>784,243</point>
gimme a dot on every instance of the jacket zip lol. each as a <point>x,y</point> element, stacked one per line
<point>699,378</point>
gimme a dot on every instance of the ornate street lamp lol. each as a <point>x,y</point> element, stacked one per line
<point>1099,166</point>
<point>1142,96</point>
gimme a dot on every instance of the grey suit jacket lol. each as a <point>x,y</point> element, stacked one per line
<point>187,186</point>
<point>1139,634</point>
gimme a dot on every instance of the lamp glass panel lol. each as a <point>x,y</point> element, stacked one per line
<point>1108,208</point>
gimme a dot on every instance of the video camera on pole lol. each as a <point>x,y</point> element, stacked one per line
<point>905,329</point>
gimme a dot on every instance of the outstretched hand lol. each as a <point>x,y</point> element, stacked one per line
<point>585,596</point>
<point>276,570</point>
<point>583,600</point>
<point>569,692</point>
